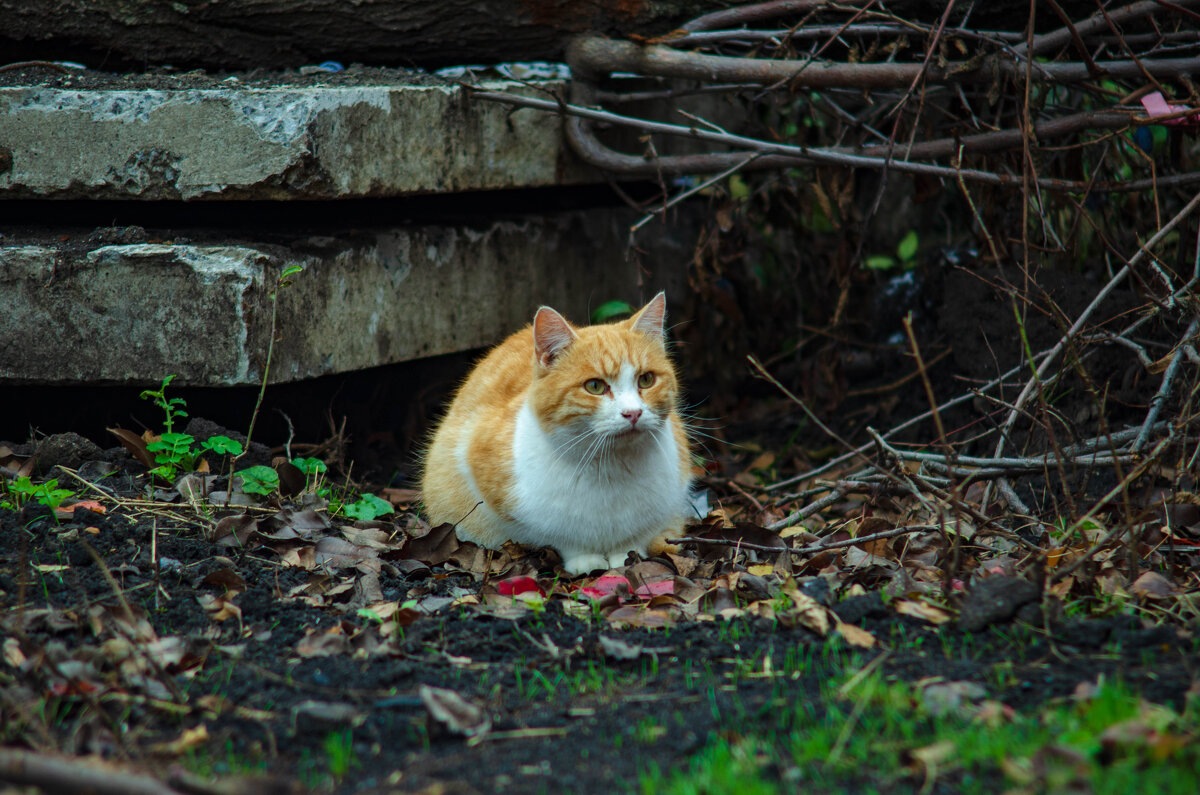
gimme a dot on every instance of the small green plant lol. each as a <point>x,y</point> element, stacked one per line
<point>19,492</point>
<point>906,251</point>
<point>176,452</point>
<point>367,507</point>
<point>339,753</point>
<point>259,479</point>
<point>173,408</point>
<point>222,445</point>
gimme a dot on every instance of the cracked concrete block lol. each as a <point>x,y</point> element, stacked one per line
<point>274,142</point>
<point>83,310</point>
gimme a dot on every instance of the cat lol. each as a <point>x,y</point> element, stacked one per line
<point>568,437</point>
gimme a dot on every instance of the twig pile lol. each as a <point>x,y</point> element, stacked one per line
<point>1067,126</point>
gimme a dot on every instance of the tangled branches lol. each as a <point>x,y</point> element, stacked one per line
<point>1033,148</point>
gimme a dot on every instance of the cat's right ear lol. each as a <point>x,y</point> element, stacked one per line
<point>551,335</point>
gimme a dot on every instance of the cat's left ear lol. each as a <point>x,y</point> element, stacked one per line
<point>652,317</point>
<point>551,335</point>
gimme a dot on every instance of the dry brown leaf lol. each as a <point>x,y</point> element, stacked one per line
<point>1152,585</point>
<point>373,537</point>
<point>136,446</point>
<point>454,712</point>
<point>12,653</point>
<point>434,547</point>
<point>921,610</point>
<point>322,644</point>
<point>855,635</point>
<point>857,558</point>
<point>219,608</point>
<point>643,617</point>
<point>234,531</point>
<point>186,741</point>
<point>684,564</point>
<point>337,553</point>
<point>228,579</point>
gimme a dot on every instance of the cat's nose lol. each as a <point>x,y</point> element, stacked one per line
<point>633,415</point>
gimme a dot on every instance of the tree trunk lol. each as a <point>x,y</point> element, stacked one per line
<point>282,34</point>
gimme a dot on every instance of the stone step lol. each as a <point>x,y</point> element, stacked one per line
<point>121,305</point>
<point>386,133</point>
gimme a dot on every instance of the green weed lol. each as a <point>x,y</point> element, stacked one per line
<point>176,452</point>
<point>19,492</point>
<point>1115,742</point>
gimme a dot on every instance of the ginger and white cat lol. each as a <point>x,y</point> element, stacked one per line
<point>567,437</point>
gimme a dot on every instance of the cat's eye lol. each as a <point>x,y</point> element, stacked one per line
<point>595,386</point>
<point>646,380</point>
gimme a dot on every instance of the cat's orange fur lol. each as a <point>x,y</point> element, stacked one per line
<point>527,453</point>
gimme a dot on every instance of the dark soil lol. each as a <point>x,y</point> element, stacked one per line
<point>268,706</point>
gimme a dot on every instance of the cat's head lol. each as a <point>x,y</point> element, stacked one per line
<point>614,381</point>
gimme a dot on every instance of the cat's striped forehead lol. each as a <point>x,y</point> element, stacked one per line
<point>605,349</point>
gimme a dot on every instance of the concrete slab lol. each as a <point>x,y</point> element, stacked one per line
<point>119,308</point>
<point>232,141</point>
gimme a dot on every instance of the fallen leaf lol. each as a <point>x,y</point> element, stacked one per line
<point>454,712</point>
<point>234,531</point>
<point>618,649</point>
<point>91,505</point>
<point>435,547</point>
<point>607,585</point>
<point>856,635</point>
<point>187,740</point>
<point>652,589</point>
<point>513,586</point>
<point>945,698</point>
<point>333,713</point>
<point>12,653</point>
<point>644,617</point>
<point>322,644</point>
<point>1152,585</point>
<point>921,610</point>
<point>135,445</point>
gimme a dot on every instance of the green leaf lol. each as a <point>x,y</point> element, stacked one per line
<point>368,507</point>
<point>739,191</point>
<point>908,246</point>
<point>310,466</point>
<point>258,479</point>
<point>222,445</point>
<point>880,262</point>
<point>610,310</point>
<point>369,614</point>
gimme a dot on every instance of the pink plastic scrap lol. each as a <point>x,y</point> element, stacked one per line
<point>1156,106</point>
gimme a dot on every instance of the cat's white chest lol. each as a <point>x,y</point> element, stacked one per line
<point>584,502</point>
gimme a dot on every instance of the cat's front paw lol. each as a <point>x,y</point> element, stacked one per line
<point>617,559</point>
<point>584,562</point>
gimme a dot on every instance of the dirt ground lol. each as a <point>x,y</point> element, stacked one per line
<point>262,642</point>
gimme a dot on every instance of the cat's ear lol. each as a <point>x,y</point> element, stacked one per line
<point>551,335</point>
<point>651,318</point>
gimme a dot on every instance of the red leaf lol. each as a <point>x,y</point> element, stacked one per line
<point>653,589</point>
<point>604,586</point>
<point>518,585</point>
